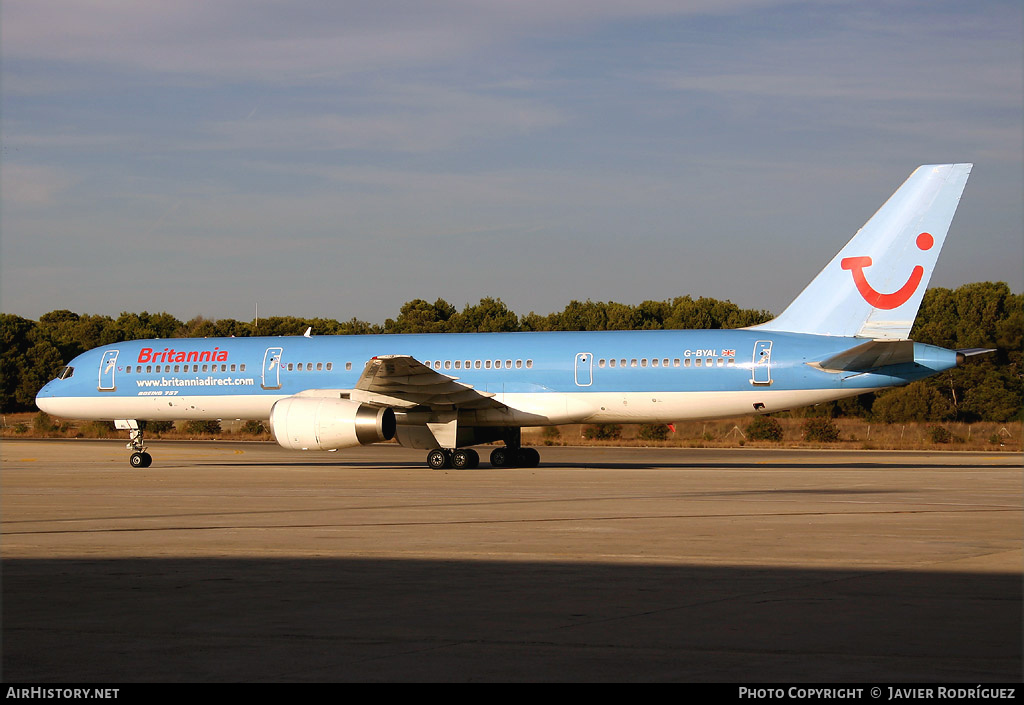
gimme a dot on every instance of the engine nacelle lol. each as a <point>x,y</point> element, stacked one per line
<point>313,423</point>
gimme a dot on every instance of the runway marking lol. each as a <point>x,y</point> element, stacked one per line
<point>470,522</point>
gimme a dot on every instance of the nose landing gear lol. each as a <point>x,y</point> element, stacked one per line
<point>139,457</point>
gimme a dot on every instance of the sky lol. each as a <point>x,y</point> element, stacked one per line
<point>323,158</point>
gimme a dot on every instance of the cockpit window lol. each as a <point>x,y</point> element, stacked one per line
<point>65,372</point>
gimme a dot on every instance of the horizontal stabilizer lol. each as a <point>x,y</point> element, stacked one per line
<point>963,355</point>
<point>870,355</point>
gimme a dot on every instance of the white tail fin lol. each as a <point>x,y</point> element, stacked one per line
<point>873,287</point>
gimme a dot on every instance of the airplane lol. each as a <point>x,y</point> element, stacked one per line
<point>846,334</point>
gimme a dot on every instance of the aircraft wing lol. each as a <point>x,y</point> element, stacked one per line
<point>404,382</point>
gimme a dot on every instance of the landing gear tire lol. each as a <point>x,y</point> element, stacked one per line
<point>465,459</point>
<point>438,459</point>
<point>140,460</point>
<point>515,458</point>
<point>528,457</point>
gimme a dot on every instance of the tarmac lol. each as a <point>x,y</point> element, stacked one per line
<point>245,562</point>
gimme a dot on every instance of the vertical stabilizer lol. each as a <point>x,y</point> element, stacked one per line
<point>874,286</point>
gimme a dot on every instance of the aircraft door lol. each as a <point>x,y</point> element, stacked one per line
<point>584,369</point>
<point>272,368</point>
<point>762,368</point>
<point>108,364</point>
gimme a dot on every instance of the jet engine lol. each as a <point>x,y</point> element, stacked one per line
<point>313,423</point>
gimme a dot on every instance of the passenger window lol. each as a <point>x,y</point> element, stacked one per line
<point>330,366</point>
<point>232,368</point>
<point>149,368</point>
<point>654,362</point>
<point>529,363</point>
<point>458,364</point>
<point>319,366</point>
<point>508,364</point>
<point>487,364</point>
<point>611,363</point>
<point>519,364</point>
<point>447,364</point>
<point>348,366</point>
<point>697,362</point>
<point>675,362</point>
<point>600,363</point>
<point>720,362</point>
<point>632,363</point>
<point>643,362</point>
<point>241,368</point>
<point>497,364</point>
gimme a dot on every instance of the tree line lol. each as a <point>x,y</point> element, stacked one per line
<point>981,315</point>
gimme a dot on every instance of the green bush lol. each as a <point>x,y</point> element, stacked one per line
<point>96,429</point>
<point>551,435</point>
<point>917,401</point>
<point>764,428</point>
<point>821,430</point>
<point>603,432</point>
<point>42,424</point>
<point>199,427</point>
<point>652,432</point>
<point>254,428</point>
<point>938,434</point>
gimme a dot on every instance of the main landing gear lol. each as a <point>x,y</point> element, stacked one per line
<point>139,457</point>
<point>467,458</point>
<point>459,458</point>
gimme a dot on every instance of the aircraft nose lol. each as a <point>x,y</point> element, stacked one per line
<point>46,398</point>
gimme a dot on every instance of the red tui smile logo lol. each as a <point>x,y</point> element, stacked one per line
<point>897,298</point>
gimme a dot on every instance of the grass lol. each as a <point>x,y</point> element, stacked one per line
<point>854,434</point>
